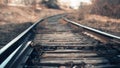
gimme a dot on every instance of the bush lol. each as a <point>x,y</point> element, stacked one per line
<point>107,7</point>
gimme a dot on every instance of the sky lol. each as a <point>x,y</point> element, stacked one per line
<point>76,3</point>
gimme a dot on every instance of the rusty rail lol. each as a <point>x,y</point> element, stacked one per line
<point>97,34</point>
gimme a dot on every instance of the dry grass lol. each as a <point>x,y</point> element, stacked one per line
<point>103,23</point>
<point>101,18</point>
<point>14,20</point>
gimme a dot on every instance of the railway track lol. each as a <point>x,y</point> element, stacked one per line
<point>52,43</point>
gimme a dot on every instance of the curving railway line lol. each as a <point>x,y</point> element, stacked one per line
<point>56,42</point>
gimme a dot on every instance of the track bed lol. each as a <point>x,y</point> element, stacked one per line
<point>61,46</point>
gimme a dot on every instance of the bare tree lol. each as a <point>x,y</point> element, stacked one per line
<point>107,7</point>
<point>51,3</point>
<point>3,2</point>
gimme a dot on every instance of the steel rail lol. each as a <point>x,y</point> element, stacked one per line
<point>16,51</point>
<point>10,50</point>
<point>109,36</point>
